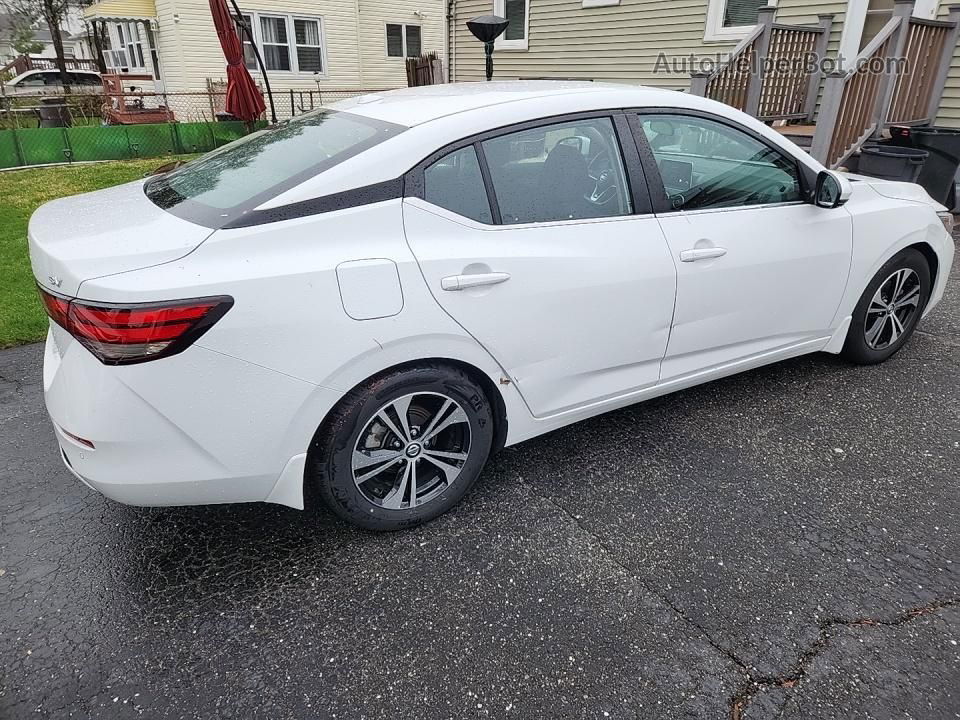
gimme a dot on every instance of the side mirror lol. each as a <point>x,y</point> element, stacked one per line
<point>832,190</point>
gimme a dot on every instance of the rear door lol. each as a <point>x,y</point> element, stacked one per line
<point>760,270</point>
<point>535,241</point>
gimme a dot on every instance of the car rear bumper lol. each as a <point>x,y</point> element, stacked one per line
<point>197,428</point>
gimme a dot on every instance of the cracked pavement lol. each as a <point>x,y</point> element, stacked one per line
<point>780,544</point>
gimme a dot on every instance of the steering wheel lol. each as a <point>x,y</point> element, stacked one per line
<point>678,201</point>
<point>605,187</point>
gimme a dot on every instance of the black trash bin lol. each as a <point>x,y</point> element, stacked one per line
<point>892,162</point>
<point>943,145</point>
<point>54,113</point>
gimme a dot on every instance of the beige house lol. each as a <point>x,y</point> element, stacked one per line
<point>622,40</point>
<point>306,45</point>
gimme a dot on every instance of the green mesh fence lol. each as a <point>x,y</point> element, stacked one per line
<point>40,146</point>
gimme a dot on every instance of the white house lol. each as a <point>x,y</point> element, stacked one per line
<point>306,45</point>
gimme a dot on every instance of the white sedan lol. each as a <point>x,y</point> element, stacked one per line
<point>365,302</point>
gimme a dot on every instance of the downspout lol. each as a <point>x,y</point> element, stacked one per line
<point>450,38</point>
<point>356,20</point>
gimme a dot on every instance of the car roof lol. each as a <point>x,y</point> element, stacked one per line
<point>45,71</point>
<point>418,105</point>
<point>437,115</point>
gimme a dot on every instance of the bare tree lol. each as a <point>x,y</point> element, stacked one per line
<point>53,13</point>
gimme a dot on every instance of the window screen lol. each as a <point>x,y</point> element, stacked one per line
<point>413,40</point>
<point>276,50</point>
<point>742,12</point>
<point>394,40</point>
<point>516,13</point>
<point>309,57</point>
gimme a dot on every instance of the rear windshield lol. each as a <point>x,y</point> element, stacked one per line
<point>228,182</point>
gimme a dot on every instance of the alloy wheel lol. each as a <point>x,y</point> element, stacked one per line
<point>892,309</point>
<point>411,450</point>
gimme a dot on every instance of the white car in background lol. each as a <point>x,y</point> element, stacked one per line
<point>369,300</point>
<point>46,82</point>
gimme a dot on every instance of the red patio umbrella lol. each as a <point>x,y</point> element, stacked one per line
<point>244,100</point>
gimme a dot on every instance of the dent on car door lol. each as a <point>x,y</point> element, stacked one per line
<point>759,269</point>
<point>531,241</point>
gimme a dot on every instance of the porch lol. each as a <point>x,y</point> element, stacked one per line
<point>781,75</point>
<point>125,40</point>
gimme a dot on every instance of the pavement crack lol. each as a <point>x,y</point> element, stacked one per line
<point>755,684</point>
<point>942,338</point>
<point>611,555</point>
<point>740,702</point>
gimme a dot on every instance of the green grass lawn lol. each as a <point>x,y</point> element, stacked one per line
<point>21,192</point>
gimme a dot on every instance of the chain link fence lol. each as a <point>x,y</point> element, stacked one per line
<point>48,129</point>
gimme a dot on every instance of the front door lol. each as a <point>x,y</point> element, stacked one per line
<point>546,264</point>
<point>758,269</point>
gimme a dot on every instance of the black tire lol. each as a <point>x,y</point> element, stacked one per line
<point>856,348</point>
<point>330,466</point>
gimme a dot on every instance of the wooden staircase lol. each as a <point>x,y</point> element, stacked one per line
<point>897,79</point>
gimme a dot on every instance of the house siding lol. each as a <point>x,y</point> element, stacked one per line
<point>619,43</point>
<point>121,9</point>
<point>949,115</point>
<point>380,71</point>
<point>354,44</point>
<point>806,12</point>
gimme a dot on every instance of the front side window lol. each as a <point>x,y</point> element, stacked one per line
<point>276,47</point>
<point>707,164</point>
<point>455,183</point>
<point>517,12</point>
<point>567,171</point>
<point>223,184</point>
<point>403,40</point>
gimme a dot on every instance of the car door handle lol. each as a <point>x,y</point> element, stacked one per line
<point>462,282</point>
<point>702,254</point>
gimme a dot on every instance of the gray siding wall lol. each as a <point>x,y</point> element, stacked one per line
<point>619,43</point>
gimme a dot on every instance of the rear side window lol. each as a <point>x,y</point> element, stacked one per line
<point>454,182</point>
<point>223,184</point>
<point>568,171</point>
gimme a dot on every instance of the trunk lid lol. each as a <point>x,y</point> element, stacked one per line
<point>106,232</point>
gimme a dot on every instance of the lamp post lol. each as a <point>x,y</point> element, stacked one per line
<point>486,29</point>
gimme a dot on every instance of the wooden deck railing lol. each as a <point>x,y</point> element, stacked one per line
<point>24,62</point>
<point>792,77</point>
<point>898,78</point>
<point>769,73</point>
<point>730,83</point>
<point>927,54</point>
<point>849,112</point>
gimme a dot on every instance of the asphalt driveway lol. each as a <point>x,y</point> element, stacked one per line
<point>784,543</point>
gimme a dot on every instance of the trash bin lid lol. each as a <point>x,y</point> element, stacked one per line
<point>943,140</point>
<point>896,151</point>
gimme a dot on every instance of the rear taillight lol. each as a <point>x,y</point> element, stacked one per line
<point>124,334</point>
